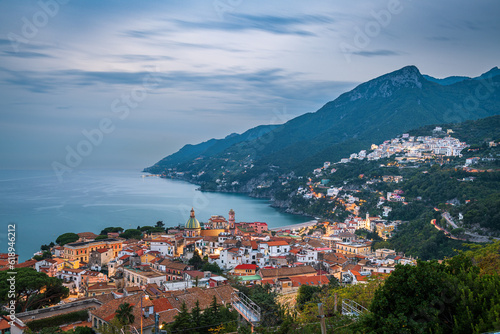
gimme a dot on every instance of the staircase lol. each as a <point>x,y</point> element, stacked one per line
<point>246,307</point>
<point>351,308</point>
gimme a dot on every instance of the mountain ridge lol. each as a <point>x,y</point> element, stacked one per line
<point>377,109</point>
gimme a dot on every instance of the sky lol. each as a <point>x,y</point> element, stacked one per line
<point>121,84</point>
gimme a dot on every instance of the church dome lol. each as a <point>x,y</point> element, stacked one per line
<point>192,222</point>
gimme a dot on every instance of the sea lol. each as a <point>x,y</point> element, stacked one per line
<point>40,207</point>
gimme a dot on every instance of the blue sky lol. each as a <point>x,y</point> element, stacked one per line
<point>121,84</point>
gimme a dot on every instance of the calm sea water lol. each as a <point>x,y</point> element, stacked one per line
<point>42,207</point>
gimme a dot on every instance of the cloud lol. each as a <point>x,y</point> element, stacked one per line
<point>26,54</point>
<point>272,24</point>
<point>439,38</point>
<point>376,53</point>
<point>141,58</point>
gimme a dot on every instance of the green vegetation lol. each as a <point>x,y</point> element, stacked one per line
<point>67,238</point>
<point>124,314</point>
<point>33,290</point>
<point>461,295</point>
<point>352,122</point>
<point>111,230</point>
<point>131,234</point>
<point>58,320</point>
<point>217,318</point>
<point>272,314</point>
<point>212,267</point>
<point>454,297</point>
<point>196,261</point>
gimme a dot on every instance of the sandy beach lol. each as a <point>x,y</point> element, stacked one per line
<point>295,226</point>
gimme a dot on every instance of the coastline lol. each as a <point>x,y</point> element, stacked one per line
<point>295,226</point>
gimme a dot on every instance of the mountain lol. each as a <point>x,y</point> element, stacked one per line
<point>454,79</point>
<point>370,113</point>
<point>210,147</point>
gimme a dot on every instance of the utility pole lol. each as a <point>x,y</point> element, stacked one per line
<point>322,318</point>
<point>157,320</point>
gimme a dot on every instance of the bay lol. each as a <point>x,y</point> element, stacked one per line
<point>42,207</point>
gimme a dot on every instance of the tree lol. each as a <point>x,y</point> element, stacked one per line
<point>111,230</point>
<point>160,224</point>
<point>453,297</point>
<point>32,289</point>
<point>212,267</point>
<point>124,314</point>
<point>67,238</point>
<point>306,293</point>
<point>101,237</point>
<point>196,260</point>
<point>196,316</point>
<point>182,322</point>
<point>132,234</point>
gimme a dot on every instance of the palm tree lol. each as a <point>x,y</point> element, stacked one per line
<point>124,314</point>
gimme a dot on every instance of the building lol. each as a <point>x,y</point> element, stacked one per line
<point>100,258</point>
<point>216,222</point>
<point>163,245</point>
<point>245,270</point>
<point>142,277</point>
<point>357,248</point>
<point>258,227</point>
<point>174,270</point>
<point>192,228</point>
<point>81,250</point>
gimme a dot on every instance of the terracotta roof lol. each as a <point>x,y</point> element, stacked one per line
<point>101,286</point>
<point>173,265</point>
<point>284,272</point>
<point>309,280</point>
<point>161,304</point>
<point>195,273</point>
<point>246,266</point>
<point>204,296</point>
<point>276,243</point>
<point>107,311</point>
<point>87,235</point>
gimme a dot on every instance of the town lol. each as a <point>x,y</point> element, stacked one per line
<point>202,261</point>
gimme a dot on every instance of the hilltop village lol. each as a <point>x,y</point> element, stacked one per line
<point>198,261</point>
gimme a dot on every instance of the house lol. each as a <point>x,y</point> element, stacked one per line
<point>99,289</point>
<point>353,247</point>
<point>81,250</point>
<point>245,270</point>
<point>142,276</point>
<point>274,248</point>
<point>148,257</point>
<point>100,258</point>
<point>174,270</point>
<point>163,245</point>
<point>229,258</point>
<point>8,326</point>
